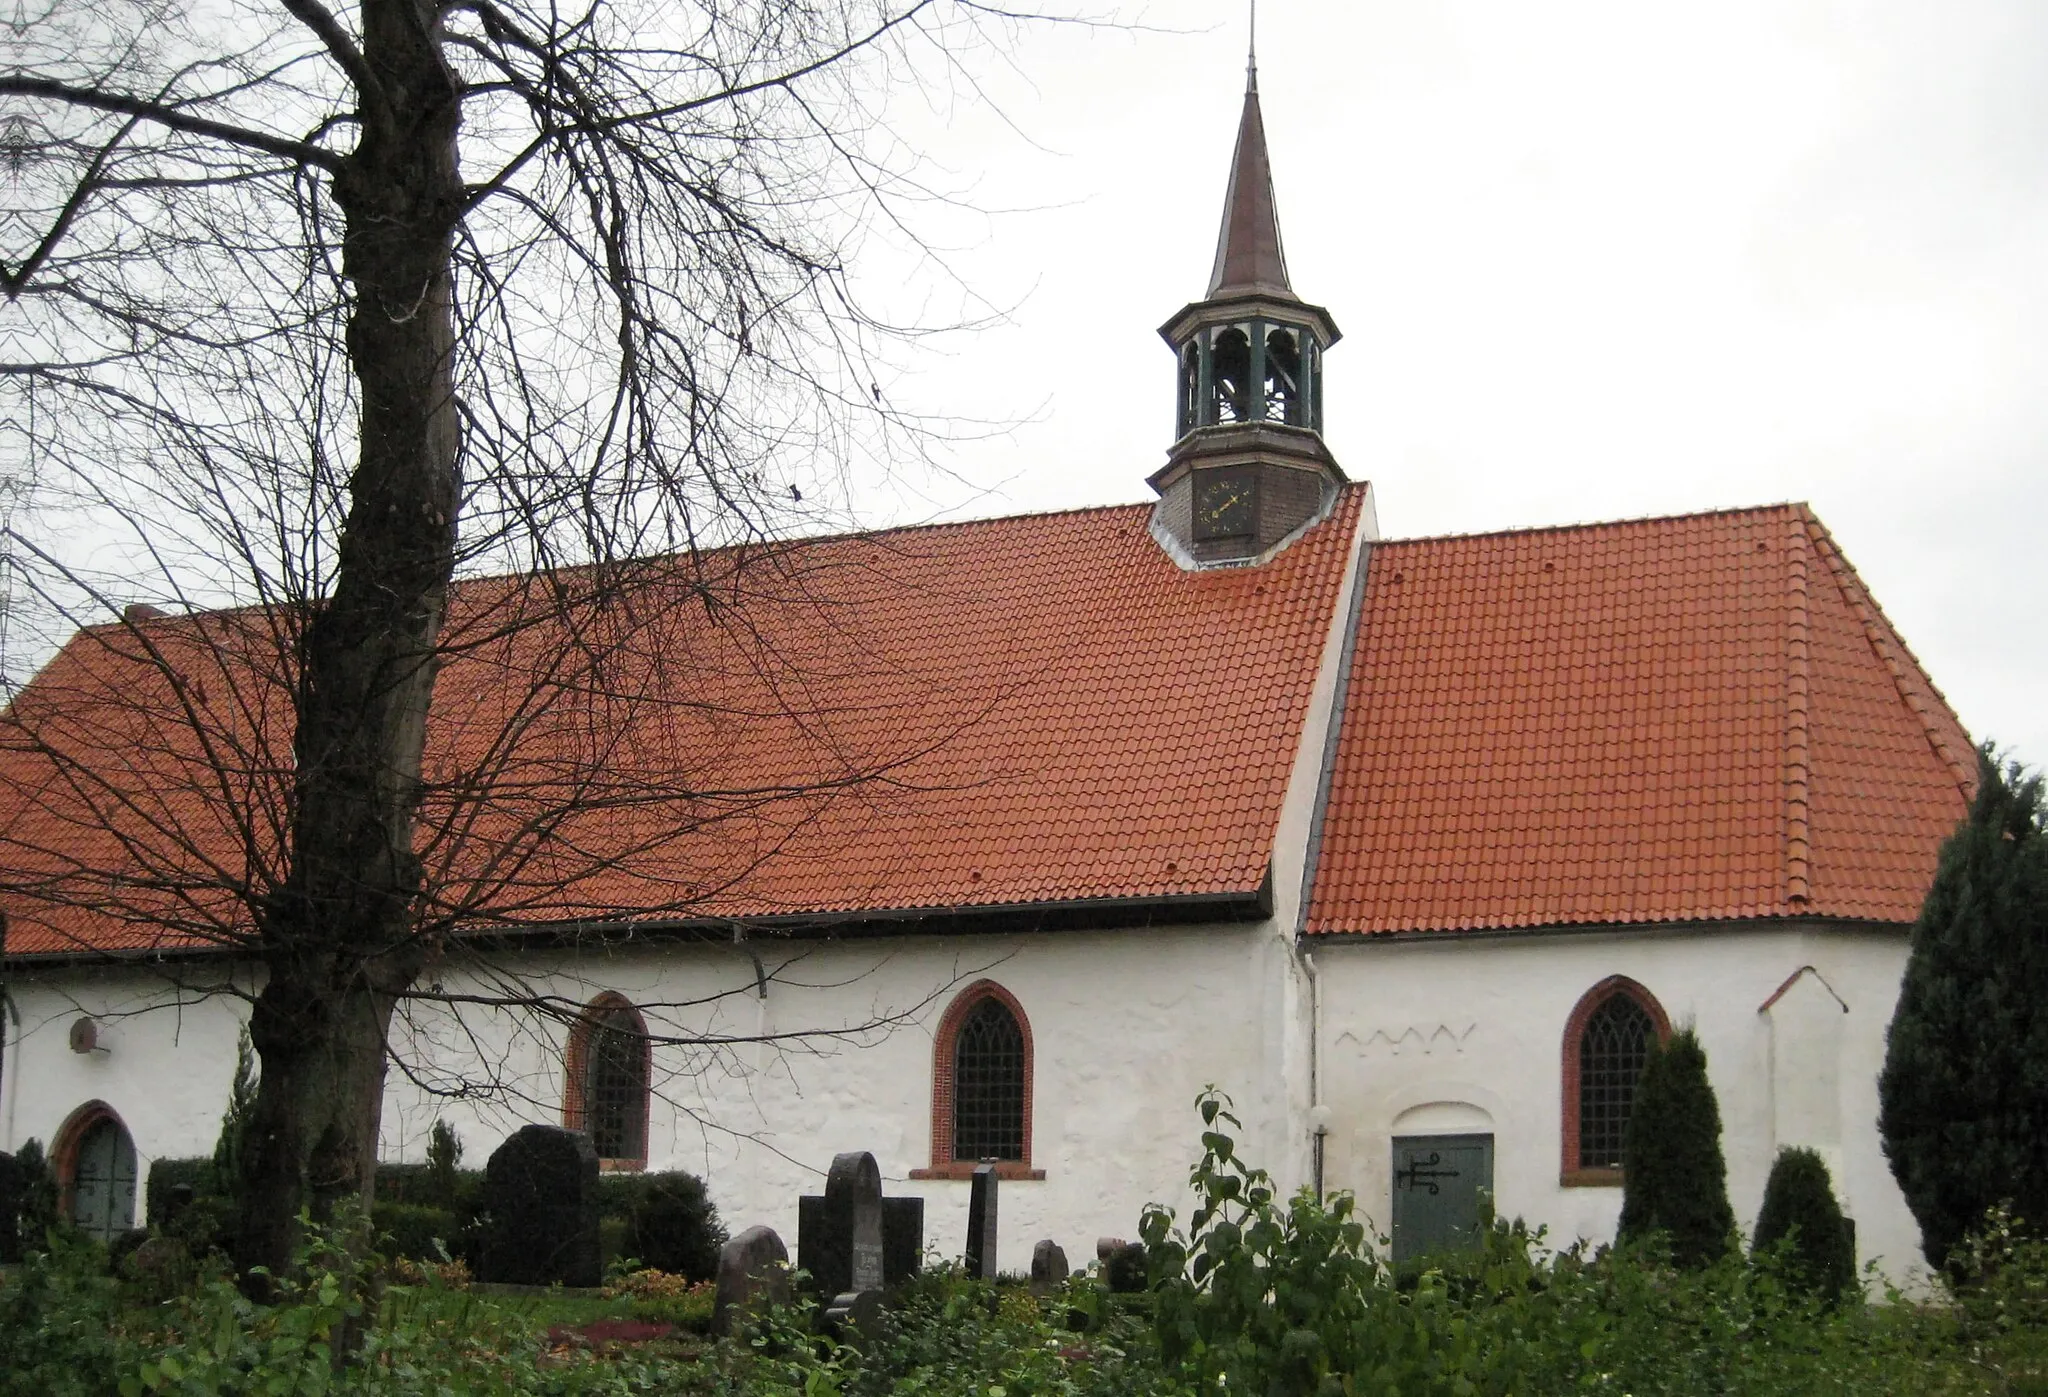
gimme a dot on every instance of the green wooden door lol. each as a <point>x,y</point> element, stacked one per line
<point>1438,1183</point>
<point>103,1187</point>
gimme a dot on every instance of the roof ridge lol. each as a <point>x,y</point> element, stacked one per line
<point>1893,653</point>
<point>1798,696</point>
<point>1582,525</point>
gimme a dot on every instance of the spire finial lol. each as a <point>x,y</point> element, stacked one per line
<point>1251,60</point>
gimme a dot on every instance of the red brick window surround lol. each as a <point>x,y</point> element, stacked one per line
<point>982,1074</point>
<point>608,1078</point>
<point>1609,1030</point>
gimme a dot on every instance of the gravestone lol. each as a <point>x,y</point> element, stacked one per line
<point>981,1224</point>
<point>839,1236</point>
<point>753,1268</point>
<point>1048,1264</point>
<point>1123,1264</point>
<point>902,1239</point>
<point>540,1190</point>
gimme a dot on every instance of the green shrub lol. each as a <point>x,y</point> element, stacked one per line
<point>234,1121</point>
<point>36,1196</point>
<point>444,1159</point>
<point>1674,1180</point>
<point>673,1226</point>
<point>1962,1107</point>
<point>199,1175</point>
<point>1800,1214</point>
<point>58,1320</point>
<point>419,1232</point>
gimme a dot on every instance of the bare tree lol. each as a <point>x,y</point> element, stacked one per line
<point>330,307</point>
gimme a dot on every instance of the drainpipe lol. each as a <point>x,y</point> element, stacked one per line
<point>1318,1113</point>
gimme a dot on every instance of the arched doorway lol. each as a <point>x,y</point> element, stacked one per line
<point>96,1167</point>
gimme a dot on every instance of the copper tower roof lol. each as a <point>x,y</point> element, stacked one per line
<point>1249,257</point>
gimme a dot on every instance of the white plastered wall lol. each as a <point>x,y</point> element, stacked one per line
<point>1478,1022</point>
<point>163,1059</point>
<point>1126,1026</point>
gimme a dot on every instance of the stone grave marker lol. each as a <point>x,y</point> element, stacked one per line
<point>1123,1264</point>
<point>540,1190</point>
<point>902,1239</point>
<point>839,1236</point>
<point>753,1268</point>
<point>1048,1265</point>
<point>981,1224</point>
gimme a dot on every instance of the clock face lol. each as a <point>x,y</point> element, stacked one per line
<point>1223,503</point>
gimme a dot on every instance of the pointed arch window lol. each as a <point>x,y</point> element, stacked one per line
<point>1606,1042</point>
<point>610,1071</point>
<point>981,1087</point>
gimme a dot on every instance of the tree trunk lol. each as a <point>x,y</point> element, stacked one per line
<point>337,939</point>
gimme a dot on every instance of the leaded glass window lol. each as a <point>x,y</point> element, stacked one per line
<point>988,1085</point>
<point>615,1085</point>
<point>1612,1050</point>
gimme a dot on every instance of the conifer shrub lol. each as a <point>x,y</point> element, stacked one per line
<point>234,1121</point>
<point>35,1195</point>
<point>1963,1097</point>
<point>1674,1180</point>
<point>1801,1215</point>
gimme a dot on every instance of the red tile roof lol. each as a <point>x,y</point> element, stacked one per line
<point>1699,718</point>
<point>1016,711</point>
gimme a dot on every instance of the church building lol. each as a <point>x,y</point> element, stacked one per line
<point>1001,840</point>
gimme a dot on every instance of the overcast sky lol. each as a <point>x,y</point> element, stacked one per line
<point>1592,261</point>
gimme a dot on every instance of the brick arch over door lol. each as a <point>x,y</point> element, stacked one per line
<point>1618,995</point>
<point>975,1007</point>
<point>627,1069</point>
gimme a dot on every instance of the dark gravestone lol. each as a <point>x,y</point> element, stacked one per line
<point>981,1224</point>
<point>1123,1264</point>
<point>540,1191</point>
<point>839,1236</point>
<point>1048,1264</point>
<point>10,1210</point>
<point>902,1240</point>
<point>753,1268</point>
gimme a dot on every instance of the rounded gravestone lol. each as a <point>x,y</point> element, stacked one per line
<point>540,1192</point>
<point>753,1268</point>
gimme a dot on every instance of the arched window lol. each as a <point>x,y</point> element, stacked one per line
<point>981,1087</point>
<point>1606,1041</point>
<point>609,1070</point>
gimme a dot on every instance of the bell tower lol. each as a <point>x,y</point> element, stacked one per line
<point>1248,468</point>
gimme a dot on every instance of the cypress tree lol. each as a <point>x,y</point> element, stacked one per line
<point>1963,1098</point>
<point>1674,1180</point>
<point>234,1122</point>
<point>1799,1203</point>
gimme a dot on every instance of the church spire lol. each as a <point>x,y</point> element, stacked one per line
<point>1249,256</point>
<point>1248,244</point>
<point>1248,470</point>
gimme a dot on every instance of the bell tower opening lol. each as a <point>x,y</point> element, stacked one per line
<point>1248,469</point>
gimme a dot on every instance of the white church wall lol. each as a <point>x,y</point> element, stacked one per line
<point>1126,1028</point>
<point>1429,1035</point>
<point>163,1060</point>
